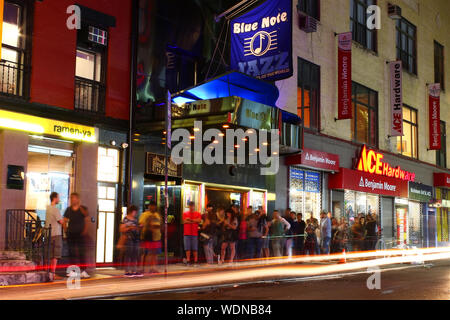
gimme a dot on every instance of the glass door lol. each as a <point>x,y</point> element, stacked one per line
<point>49,170</point>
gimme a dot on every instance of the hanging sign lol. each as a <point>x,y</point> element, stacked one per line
<point>345,76</point>
<point>395,69</point>
<point>261,41</point>
<point>434,92</point>
<point>420,192</point>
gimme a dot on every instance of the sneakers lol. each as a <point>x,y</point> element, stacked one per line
<point>85,275</point>
<point>138,275</point>
<point>128,275</point>
<point>72,274</point>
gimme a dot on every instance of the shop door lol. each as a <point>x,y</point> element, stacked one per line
<point>108,178</point>
<point>49,170</point>
<point>107,194</point>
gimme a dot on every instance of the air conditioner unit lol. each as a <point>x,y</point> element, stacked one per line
<point>307,23</point>
<point>394,11</point>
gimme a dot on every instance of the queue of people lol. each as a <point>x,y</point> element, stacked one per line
<point>228,235</point>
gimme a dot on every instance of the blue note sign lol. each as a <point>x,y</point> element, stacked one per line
<point>261,41</point>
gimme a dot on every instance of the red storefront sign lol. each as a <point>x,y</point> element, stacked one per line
<point>366,182</point>
<point>315,159</point>
<point>442,179</point>
<point>434,92</point>
<point>345,76</point>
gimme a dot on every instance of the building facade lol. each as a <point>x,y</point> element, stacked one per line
<point>64,105</point>
<point>417,37</point>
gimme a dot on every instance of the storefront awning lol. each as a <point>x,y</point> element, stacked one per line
<point>230,84</point>
<point>347,179</point>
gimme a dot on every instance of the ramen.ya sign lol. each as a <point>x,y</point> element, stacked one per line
<point>372,162</point>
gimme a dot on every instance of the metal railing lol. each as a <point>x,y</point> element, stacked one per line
<point>89,95</point>
<point>12,76</point>
<point>25,232</point>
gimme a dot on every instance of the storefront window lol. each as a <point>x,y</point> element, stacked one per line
<point>49,170</point>
<point>401,221</point>
<point>258,200</point>
<point>442,216</point>
<point>304,194</point>
<point>192,193</point>
<point>360,203</point>
<point>415,225</point>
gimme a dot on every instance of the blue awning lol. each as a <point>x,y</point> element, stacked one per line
<point>231,84</point>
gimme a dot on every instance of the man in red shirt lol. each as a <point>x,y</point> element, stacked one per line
<point>191,219</point>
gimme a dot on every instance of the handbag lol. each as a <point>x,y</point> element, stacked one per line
<point>122,241</point>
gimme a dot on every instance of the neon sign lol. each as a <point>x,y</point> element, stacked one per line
<point>372,162</point>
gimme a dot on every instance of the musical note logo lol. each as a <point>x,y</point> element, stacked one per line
<point>260,43</point>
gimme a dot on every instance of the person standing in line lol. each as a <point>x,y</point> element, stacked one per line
<point>209,230</point>
<point>257,226</point>
<point>218,235</point>
<point>311,239</point>
<point>150,222</point>
<point>191,220</point>
<point>129,229</point>
<point>370,233</point>
<point>289,240</point>
<point>334,230</point>
<point>230,235</point>
<point>265,251</point>
<point>278,227</point>
<point>357,234</point>
<point>76,217</point>
<point>243,228</point>
<point>325,232</point>
<point>299,232</point>
<point>55,221</point>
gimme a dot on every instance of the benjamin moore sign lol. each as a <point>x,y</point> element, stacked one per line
<point>261,41</point>
<point>37,125</point>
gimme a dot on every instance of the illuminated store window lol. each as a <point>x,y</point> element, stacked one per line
<point>364,124</point>
<point>108,165</point>
<point>305,192</point>
<point>407,145</point>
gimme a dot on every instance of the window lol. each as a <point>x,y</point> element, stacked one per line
<point>310,7</point>
<point>308,94</point>
<point>441,155</point>
<point>358,24</point>
<point>365,115</point>
<point>90,69</point>
<point>407,145</point>
<point>13,53</point>
<point>439,64</point>
<point>406,45</point>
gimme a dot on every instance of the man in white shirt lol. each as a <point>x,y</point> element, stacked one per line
<point>54,220</point>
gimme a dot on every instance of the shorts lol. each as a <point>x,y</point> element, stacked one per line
<point>151,247</point>
<point>56,247</point>
<point>191,243</point>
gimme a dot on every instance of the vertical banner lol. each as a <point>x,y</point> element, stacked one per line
<point>434,105</point>
<point>345,76</point>
<point>261,41</point>
<point>395,73</point>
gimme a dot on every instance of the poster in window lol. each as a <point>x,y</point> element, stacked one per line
<point>15,178</point>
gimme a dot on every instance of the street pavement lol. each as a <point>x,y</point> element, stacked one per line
<point>429,282</point>
<point>109,283</point>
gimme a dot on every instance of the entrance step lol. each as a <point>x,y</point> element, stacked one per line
<point>17,265</point>
<point>18,278</point>
<point>12,255</point>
